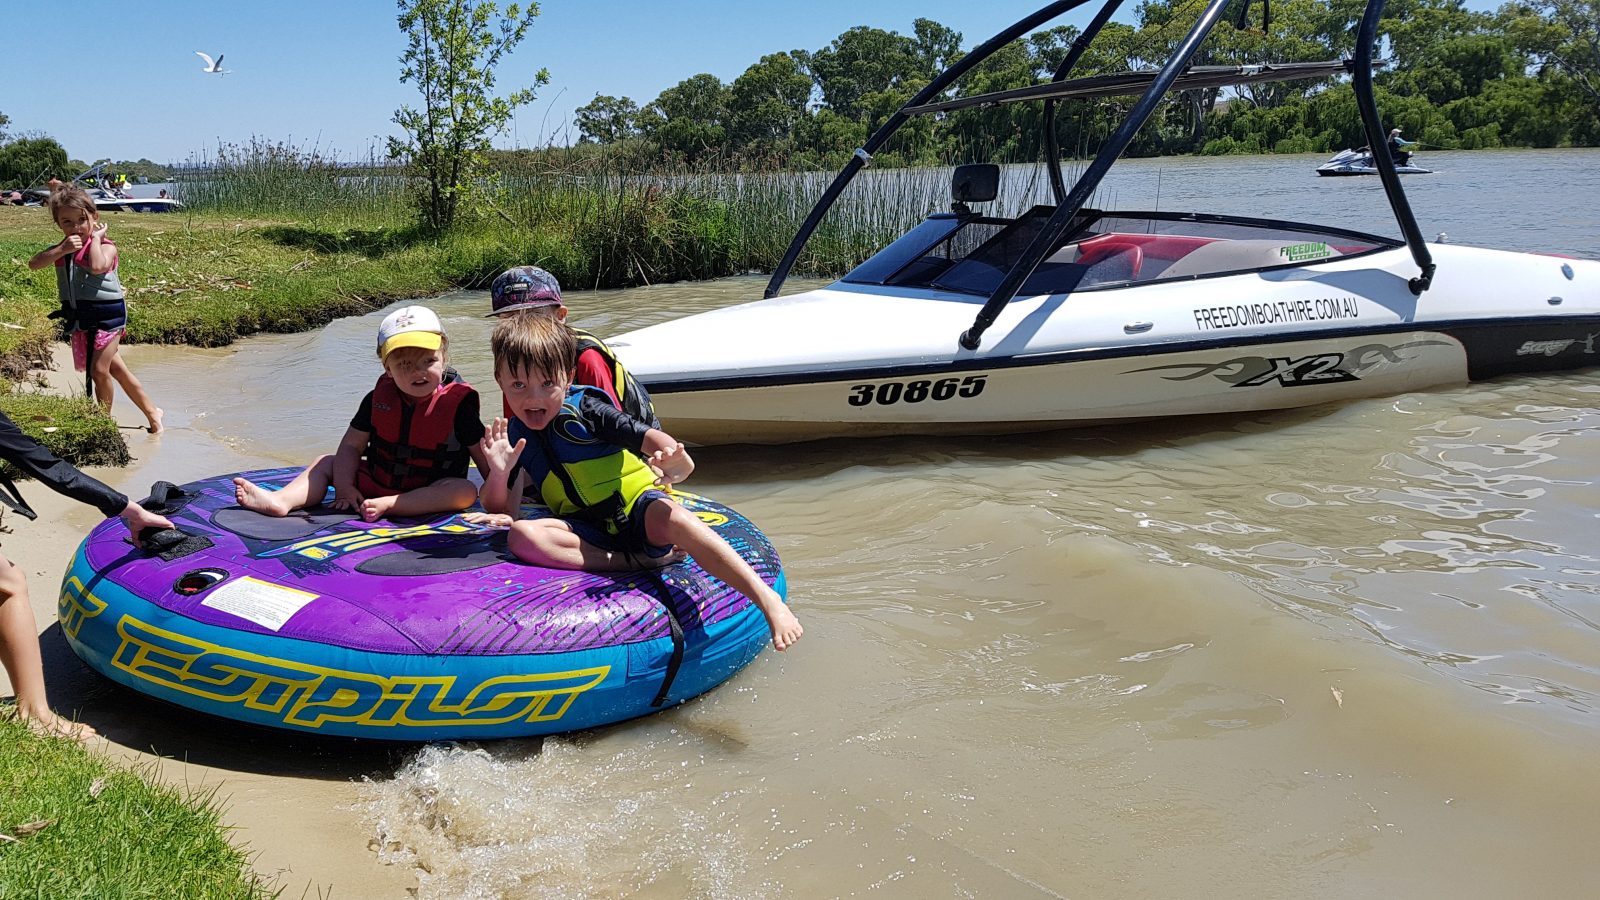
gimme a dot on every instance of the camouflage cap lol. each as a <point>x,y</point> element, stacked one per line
<point>524,287</point>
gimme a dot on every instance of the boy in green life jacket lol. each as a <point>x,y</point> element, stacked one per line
<point>587,460</point>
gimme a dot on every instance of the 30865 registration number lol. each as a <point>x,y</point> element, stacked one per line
<point>891,392</point>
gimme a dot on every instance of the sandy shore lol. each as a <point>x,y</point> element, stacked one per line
<point>291,799</point>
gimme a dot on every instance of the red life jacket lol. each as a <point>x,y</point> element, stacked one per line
<point>632,397</point>
<point>414,442</point>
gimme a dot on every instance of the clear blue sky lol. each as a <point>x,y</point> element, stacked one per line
<point>121,80</point>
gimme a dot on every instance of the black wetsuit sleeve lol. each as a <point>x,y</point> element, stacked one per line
<point>469,421</point>
<point>363,419</point>
<point>61,476</point>
<point>610,424</point>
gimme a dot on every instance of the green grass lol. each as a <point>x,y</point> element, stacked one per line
<point>112,835</point>
<point>73,428</point>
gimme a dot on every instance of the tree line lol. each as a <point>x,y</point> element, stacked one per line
<point>1526,75</point>
<point>30,159</point>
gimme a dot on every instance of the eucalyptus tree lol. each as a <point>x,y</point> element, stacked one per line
<point>607,120</point>
<point>689,118</point>
<point>1564,36</point>
<point>453,49</point>
<point>861,63</point>
<point>1293,31</point>
<point>934,47</point>
<point>1004,132</point>
<point>767,105</point>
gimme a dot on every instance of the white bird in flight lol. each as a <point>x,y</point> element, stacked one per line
<point>214,68</point>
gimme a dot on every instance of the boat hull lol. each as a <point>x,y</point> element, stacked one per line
<point>1072,389</point>
<point>1085,389</point>
<point>1338,331</point>
<point>144,205</point>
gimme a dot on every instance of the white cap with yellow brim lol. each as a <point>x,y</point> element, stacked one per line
<point>410,326</point>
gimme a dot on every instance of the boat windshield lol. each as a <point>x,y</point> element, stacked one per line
<point>971,255</point>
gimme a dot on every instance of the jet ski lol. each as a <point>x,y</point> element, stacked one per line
<point>1360,162</point>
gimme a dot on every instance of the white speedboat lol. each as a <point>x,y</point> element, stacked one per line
<point>1067,315</point>
<point>1360,162</point>
<point>106,200</point>
<point>110,198</point>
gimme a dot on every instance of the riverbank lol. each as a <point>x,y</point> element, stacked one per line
<point>204,282</point>
<point>207,281</point>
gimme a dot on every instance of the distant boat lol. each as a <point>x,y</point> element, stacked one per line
<point>1360,162</point>
<point>113,201</point>
<point>109,200</point>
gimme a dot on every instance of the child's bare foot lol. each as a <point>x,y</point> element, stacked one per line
<point>786,628</point>
<point>155,426</point>
<point>375,508</point>
<point>257,498</point>
<point>493,520</point>
<point>45,723</point>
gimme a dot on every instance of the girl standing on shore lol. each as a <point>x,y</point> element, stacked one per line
<point>92,300</point>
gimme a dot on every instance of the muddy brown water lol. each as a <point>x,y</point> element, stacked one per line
<point>1336,652</point>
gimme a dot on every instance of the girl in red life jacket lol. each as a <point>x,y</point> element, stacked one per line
<point>406,451</point>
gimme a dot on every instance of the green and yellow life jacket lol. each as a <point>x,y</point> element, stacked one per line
<point>578,475</point>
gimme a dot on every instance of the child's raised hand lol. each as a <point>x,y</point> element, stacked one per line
<point>98,232</point>
<point>497,447</point>
<point>671,465</point>
<point>71,244</point>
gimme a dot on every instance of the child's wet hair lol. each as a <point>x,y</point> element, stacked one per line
<point>70,196</point>
<point>534,344</point>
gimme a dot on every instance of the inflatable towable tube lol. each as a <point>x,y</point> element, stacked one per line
<point>414,630</point>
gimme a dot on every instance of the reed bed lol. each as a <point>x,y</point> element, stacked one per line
<point>594,221</point>
<point>265,179</point>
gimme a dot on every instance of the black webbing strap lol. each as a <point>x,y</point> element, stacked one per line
<point>171,543</point>
<point>166,498</point>
<point>677,644</point>
<point>10,496</point>
<point>89,337</point>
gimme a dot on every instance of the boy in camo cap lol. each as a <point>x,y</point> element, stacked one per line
<point>530,290</point>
